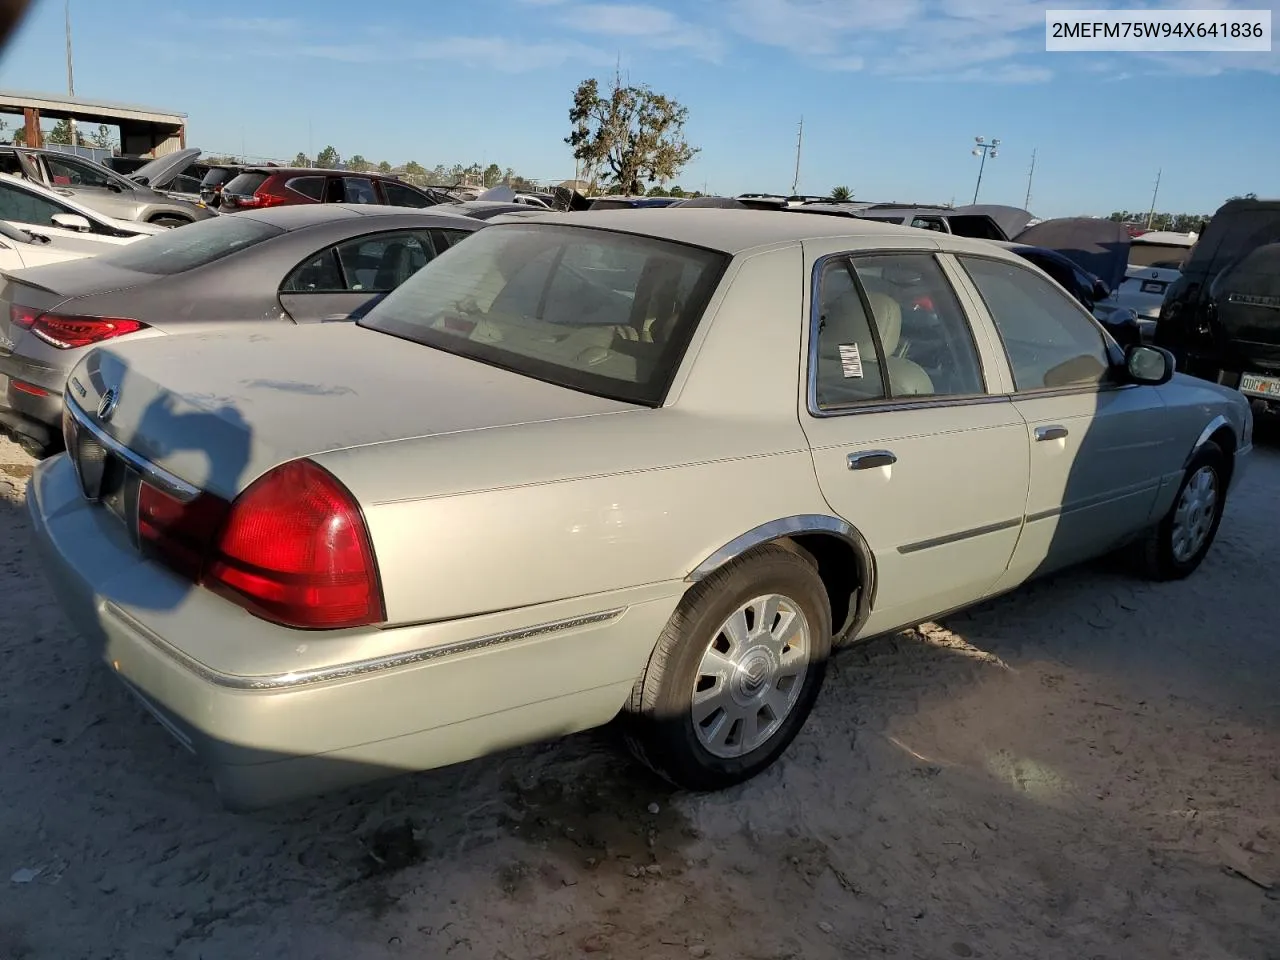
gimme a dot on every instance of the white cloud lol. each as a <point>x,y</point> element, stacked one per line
<point>957,40</point>
<point>641,24</point>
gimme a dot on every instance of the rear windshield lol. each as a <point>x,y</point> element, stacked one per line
<point>191,246</point>
<point>245,185</point>
<point>601,312</point>
<point>1157,255</point>
<point>215,176</point>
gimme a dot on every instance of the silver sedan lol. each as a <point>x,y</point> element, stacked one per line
<point>654,464</point>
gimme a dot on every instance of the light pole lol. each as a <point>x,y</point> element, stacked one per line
<point>983,147</point>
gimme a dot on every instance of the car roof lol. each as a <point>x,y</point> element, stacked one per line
<point>737,231</point>
<point>300,215</point>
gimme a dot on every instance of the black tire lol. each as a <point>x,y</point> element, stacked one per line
<point>164,221</point>
<point>1157,556</point>
<point>658,722</point>
<point>34,448</point>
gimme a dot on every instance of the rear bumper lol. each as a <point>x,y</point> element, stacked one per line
<point>26,413</point>
<point>457,690</point>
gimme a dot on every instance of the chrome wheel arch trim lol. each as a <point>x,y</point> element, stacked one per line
<point>809,523</point>
<point>1214,425</point>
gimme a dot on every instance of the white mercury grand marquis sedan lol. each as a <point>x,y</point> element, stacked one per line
<point>651,463</point>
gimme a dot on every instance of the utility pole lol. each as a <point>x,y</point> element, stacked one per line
<point>795,184</point>
<point>1155,193</point>
<point>71,77</point>
<point>1026,204</point>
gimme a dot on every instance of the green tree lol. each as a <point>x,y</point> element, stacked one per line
<point>631,134</point>
<point>841,194</point>
<point>61,132</point>
<point>384,167</point>
<point>328,158</point>
<point>657,190</point>
<point>415,171</point>
<point>102,137</point>
<point>359,164</point>
<point>492,175</point>
<point>677,191</point>
<point>301,160</point>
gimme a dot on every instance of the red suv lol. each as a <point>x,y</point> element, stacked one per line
<point>258,187</point>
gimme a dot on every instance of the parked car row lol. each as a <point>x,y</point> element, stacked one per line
<point>138,197</point>
<point>293,264</point>
<point>523,489</point>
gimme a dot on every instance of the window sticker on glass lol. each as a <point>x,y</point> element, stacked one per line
<point>850,360</point>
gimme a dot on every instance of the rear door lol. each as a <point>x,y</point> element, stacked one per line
<point>342,281</point>
<point>914,439</point>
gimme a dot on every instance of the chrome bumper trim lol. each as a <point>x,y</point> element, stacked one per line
<point>343,671</point>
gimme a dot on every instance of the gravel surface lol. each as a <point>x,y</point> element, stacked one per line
<point>1088,768</point>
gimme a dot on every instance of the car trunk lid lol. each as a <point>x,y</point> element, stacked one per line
<point>219,410</point>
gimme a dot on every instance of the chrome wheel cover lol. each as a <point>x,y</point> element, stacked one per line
<point>750,676</point>
<point>1194,513</point>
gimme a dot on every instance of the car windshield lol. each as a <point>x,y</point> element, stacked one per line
<point>597,311</point>
<point>191,246</point>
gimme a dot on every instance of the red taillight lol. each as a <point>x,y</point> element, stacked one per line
<point>178,532</point>
<point>257,201</point>
<point>23,317</point>
<point>295,550</point>
<point>68,332</point>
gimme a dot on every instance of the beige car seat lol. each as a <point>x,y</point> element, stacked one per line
<point>846,322</point>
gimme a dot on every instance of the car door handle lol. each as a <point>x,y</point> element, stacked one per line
<point>870,459</point>
<point>1054,432</point>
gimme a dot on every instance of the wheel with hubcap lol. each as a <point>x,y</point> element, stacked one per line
<point>735,673</point>
<point>1174,548</point>
<point>170,221</point>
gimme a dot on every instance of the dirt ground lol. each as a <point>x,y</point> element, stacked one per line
<point>1089,768</point>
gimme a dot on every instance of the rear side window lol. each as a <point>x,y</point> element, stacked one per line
<point>245,185</point>
<point>358,190</point>
<point>312,187</point>
<point>186,248</point>
<point>376,263</point>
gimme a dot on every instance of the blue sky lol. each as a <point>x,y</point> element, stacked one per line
<point>892,91</point>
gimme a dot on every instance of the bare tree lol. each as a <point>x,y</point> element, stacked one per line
<point>631,134</point>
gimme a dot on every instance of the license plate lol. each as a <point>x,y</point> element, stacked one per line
<point>1260,386</point>
<point>1153,286</point>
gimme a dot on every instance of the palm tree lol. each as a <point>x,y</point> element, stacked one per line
<point>841,194</point>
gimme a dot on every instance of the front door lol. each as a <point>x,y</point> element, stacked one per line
<point>1098,447</point>
<point>909,445</point>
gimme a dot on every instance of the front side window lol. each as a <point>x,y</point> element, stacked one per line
<point>890,326</point>
<point>1050,342</point>
<point>69,173</point>
<point>602,312</point>
<point>22,206</point>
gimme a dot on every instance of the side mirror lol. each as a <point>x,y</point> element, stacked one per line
<point>1149,365</point>
<point>71,221</point>
<point>1100,290</point>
